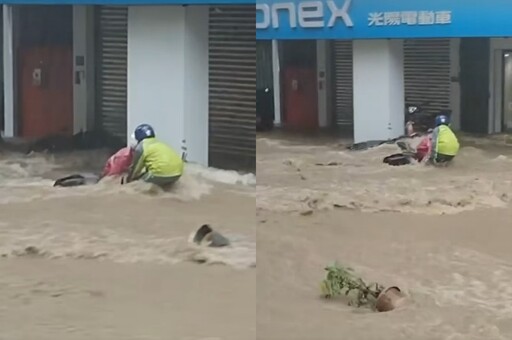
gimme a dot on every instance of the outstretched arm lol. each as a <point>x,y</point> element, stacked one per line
<point>137,163</point>
<point>433,148</point>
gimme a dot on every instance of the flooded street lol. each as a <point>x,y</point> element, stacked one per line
<point>442,235</point>
<point>114,262</point>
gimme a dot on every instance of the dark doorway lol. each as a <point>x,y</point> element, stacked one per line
<point>474,84</point>
<point>264,86</point>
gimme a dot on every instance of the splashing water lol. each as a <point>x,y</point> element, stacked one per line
<point>294,177</point>
<point>132,220</point>
<point>30,177</point>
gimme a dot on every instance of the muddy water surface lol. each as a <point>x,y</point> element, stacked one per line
<point>115,262</point>
<point>442,235</point>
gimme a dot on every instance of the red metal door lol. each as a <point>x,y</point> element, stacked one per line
<point>46,91</point>
<point>300,98</point>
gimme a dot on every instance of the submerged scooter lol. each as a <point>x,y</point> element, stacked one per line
<point>116,165</point>
<point>408,154</point>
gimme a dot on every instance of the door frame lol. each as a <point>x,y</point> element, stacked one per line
<point>10,76</point>
<point>276,78</point>
<point>323,80</point>
<point>501,93</point>
<point>497,88</point>
<point>10,13</point>
<point>497,46</point>
<point>39,44</point>
<point>285,49</point>
<point>496,119</point>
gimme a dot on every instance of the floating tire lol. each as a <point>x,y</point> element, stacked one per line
<point>397,159</point>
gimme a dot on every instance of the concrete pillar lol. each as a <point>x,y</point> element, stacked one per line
<point>83,68</point>
<point>322,82</point>
<point>276,71</point>
<point>156,73</point>
<point>9,67</point>
<point>196,84</point>
<point>168,75</point>
<point>378,89</point>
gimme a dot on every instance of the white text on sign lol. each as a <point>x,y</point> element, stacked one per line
<point>410,18</point>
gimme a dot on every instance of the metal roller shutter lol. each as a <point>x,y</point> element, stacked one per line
<point>112,58</point>
<point>427,73</point>
<point>343,83</point>
<point>232,92</point>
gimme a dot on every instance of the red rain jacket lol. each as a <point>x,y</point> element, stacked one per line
<point>119,162</point>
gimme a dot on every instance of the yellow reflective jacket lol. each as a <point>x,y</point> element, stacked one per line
<point>444,141</point>
<point>157,158</point>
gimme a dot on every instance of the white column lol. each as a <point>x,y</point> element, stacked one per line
<point>321,73</point>
<point>378,89</point>
<point>9,65</point>
<point>277,82</point>
<point>196,84</point>
<point>168,75</point>
<point>83,68</point>
<point>156,70</point>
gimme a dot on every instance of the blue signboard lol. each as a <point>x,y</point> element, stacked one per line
<point>381,19</point>
<point>128,2</point>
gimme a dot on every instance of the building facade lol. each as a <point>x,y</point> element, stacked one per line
<point>186,67</point>
<point>369,58</point>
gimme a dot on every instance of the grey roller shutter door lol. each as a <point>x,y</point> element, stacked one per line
<point>232,87</point>
<point>427,73</point>
<point>343,83</point>
<point>112,58</point>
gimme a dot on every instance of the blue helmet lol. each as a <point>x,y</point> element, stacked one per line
<point>442,120</point>
<point>142,132</point>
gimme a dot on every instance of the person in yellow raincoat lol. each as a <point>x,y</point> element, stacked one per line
<point>445,144</point>
<point>154,161</point>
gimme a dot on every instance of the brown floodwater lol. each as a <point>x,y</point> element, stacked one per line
<point>442,235</point>
<point>115,262</point>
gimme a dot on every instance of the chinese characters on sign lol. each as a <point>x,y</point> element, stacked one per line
<point>410,18</point>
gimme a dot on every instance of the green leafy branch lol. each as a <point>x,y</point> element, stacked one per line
<point>341,281</point>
